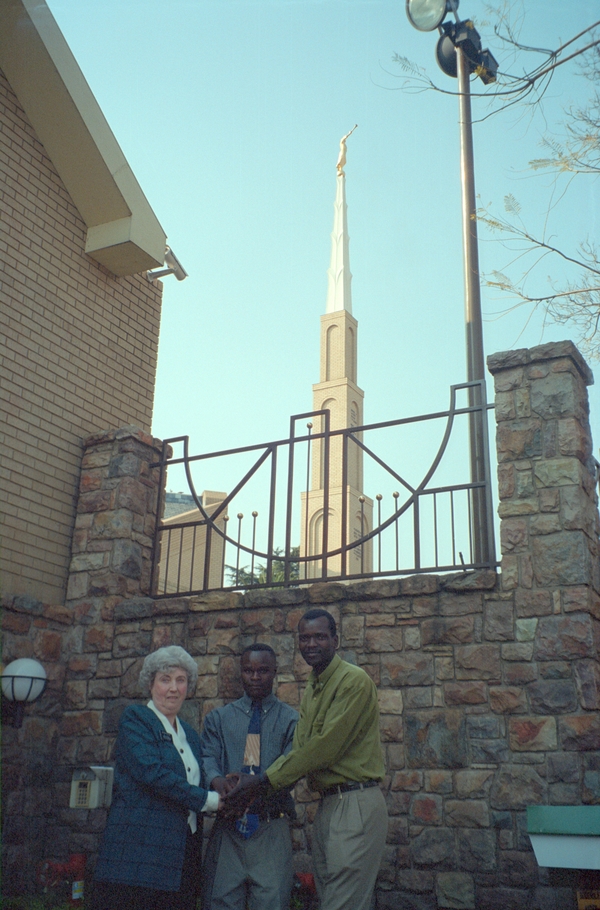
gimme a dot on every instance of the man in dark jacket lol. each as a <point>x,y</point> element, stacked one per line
<point>249,858</point>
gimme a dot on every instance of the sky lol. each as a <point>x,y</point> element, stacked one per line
<point>230,114</point>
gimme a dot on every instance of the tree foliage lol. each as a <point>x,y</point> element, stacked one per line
<point>245,577</point>
<point>574,301</point>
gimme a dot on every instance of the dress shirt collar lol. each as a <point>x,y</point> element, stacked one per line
<point>266,704</point>
<point>318,681</point>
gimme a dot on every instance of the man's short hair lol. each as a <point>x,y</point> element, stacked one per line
<point>316,613</point>
<point>259,647</point>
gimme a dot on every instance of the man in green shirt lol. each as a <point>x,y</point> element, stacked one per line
<point>337,748</point>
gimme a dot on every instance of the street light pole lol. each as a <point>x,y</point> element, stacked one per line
<point>459,54</point>
<point>475,363</point>
<point>473,320</point>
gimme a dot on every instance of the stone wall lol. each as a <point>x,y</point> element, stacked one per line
<point>488,685</point>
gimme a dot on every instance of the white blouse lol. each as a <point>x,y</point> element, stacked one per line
<point>190,763</point>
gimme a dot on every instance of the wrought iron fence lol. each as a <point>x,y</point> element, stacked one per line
<point>316,509</point>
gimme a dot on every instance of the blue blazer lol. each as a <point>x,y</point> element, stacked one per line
<point>145,835</point>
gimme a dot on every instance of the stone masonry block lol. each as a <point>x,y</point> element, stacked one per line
<point>574,439</point>
<point>436,738</point>
<point>467,692</point>
<point>553,696</point>
<point>514,507</point>
<point>506,481</point>
<point>467,813</point>
<point>498,622</point>
<point>568,637</point>
<point>384,638</point>
<point>455,890</point>
<point>509,575</point>
<point>426,809</point>
<point>503,363</point>
<point>441,630</point>
<point>454,602</point>
<point>434,847</point>
<point>507,699</point>
<point>478,662</point>
<point>505,406</point>
<point>549,499</point>
<point>577,512</point>
<point>125,465</point>
<point>523,402</point>
<point>418,697</point>
<point>477,853</point>
<point>531,603</point>
<point>519,439</point>
<point>562,558</point>
<point>558,472</point>
<point>580,733</point>
<point>132,494</point>
<point>556,395</point>
<point>111,524</point>
<point>516,787</point>
<point>587,679</point>
<point>410,668</point>
<point>126,558</point>
<point>514,535</point>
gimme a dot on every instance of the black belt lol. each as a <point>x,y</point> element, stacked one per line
<point>346,788</point>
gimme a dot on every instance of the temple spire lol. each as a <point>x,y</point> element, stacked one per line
<point>339,292</point>
<point>350,511</point>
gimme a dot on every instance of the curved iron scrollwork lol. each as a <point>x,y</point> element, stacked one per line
<point>201,561</point>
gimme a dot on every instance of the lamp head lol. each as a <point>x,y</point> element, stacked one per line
<point>427,15</point>
<point>23,680</point>
<point>174,267</point>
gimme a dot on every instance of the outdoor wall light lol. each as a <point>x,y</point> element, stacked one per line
<point>174,268</point>
<point>23,680</point>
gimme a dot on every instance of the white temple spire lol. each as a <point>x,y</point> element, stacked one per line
<point>339,292</point>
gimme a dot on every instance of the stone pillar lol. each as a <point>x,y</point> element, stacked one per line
<point>111,562</point>
<point>114,527</point>
<point>549,539</point>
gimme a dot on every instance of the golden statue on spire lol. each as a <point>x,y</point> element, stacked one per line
<point>342,156</point>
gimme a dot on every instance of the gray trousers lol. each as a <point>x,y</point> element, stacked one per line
<point>257,870</point>
<point>349,835</point>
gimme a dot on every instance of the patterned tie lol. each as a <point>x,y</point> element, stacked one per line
<point>248,823</point>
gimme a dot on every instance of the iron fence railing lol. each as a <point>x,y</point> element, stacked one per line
<point>311,487</point>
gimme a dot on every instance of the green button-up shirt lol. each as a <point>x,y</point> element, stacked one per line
<point>337,736</point>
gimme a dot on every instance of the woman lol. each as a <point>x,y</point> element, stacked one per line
<point>151,854</point>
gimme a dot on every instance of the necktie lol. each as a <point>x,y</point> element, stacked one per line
<point>248,823</point>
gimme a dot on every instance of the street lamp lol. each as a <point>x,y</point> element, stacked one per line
<point>459,54</point>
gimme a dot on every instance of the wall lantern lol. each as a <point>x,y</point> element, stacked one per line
<point>23,680</point>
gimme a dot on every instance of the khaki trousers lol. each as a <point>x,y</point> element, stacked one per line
<point>349,835</point>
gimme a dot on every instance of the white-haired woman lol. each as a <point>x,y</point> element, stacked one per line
<point>151,853</point>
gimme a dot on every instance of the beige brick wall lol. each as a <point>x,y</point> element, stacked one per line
<point>79,351</point>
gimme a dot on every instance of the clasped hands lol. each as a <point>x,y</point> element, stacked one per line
<point>238,792</point>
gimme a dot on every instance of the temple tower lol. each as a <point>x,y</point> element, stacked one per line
<point>338,392</point>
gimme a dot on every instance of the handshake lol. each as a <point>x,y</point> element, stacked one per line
<point>237,792</point>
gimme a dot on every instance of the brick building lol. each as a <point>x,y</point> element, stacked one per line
<point>80,320</point>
